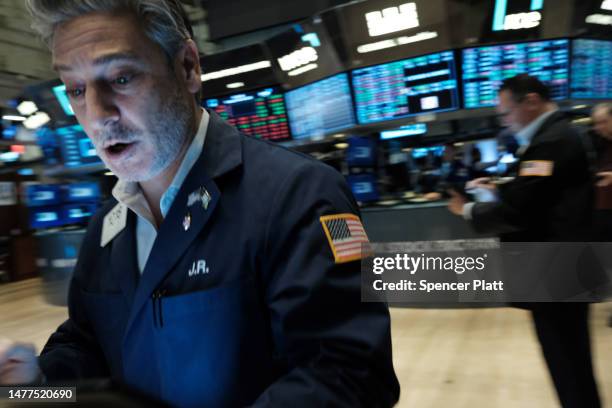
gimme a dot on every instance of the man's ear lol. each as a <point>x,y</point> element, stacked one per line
<point>533,100</point>
<point>188,66</point>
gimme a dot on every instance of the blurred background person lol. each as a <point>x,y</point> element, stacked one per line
<point>602,126</point>
<point>550,200</point>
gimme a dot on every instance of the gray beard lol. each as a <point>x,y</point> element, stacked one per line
<point>169,128</point>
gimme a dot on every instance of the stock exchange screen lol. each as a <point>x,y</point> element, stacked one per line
<point>77,149</point>
<point>591,69</point>
<point>260,114</point>
<point>484,69</point>
<point>321,107</point>
<point>405,88</point>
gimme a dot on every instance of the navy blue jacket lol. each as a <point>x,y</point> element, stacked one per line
<point>268,320</point>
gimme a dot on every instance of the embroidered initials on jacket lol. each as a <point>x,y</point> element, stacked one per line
<point>198,267</point>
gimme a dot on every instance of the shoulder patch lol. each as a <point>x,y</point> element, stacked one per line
<point>536,168</point>
<point>345,235</point>
<point>114,222</point>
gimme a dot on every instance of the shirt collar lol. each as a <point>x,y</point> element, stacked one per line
<point>130,194</point>
<point>525,135</point>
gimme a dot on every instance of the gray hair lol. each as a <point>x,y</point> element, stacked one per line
<point>604,106</point>
<point>164,21</point>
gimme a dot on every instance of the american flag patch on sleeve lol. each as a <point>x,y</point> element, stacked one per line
<point>346,235</point>
<point>537,168</point>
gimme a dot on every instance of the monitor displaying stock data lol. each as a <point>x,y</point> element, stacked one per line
<point>260,114</point>
<point>414,129</point>
<point>405,88</point>
<point>77,149</point>
<point>320,108</point>
<point>591,69</point>
<point>484,69</point>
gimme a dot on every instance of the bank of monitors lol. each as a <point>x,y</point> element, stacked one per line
<point>591,69</point>
<point>484,68</point>
<point>56,205</point>
<point>320,108</point>
<point>405,88</point>
<point>261,114</point>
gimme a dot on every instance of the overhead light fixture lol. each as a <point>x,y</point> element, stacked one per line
<point>601,19</point>
<point>37,120</point>
<point>27,108</point>
<point>394,42</point>
<point>339,135</point>
<point>606,5</point>
<point>236,70</point>
<point>14,118</point>
<point>109,173</point>
<point>341,146</point>
<point>9,156</point>
<point>303,69</point>
<point>235,85</point>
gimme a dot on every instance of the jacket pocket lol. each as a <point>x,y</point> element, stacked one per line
<point>212,343</point>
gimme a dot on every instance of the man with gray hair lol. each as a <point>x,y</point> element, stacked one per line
<point>225,270</point>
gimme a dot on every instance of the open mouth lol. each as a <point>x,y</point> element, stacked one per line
<point>117,149</point>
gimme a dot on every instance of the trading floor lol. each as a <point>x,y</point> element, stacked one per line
<point>443,358</point>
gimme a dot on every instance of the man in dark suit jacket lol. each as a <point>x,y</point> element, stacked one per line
<point>550,200</point>
<point>225,271</point>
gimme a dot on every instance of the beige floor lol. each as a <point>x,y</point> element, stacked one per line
<point>443,358</point>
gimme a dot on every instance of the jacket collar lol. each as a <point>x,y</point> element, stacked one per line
<point>223,149</point>
<point>556,116</point>
<point>188,217</point>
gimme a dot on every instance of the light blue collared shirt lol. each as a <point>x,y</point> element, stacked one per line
<point>527,133</point>
<point>131,195</point>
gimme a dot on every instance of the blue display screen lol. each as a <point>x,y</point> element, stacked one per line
<point>43,194</point>
<point>363,187</point>
<point>46,217</point>
<point>62,97</point>
<point>86,191</point>
<point>361,151</point>
<point>425,151</point>
<point>320,108</point>
<point>405,88</point>
<point>404,131</point>
<point>591,69</point>
<point>77,148</point>
<point>484,69</point>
